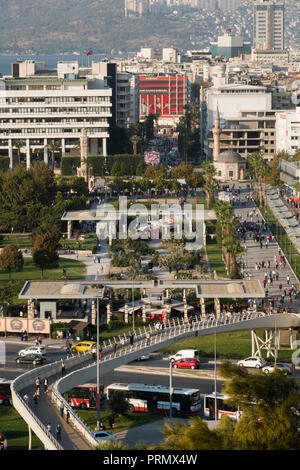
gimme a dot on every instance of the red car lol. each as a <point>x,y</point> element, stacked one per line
<point>186,364</point>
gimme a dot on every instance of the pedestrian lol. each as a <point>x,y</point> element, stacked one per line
<point>131,339</point>
<point>40,341</point>
<point>288,279</point>
<point>148,339</point>
<point>115,347</point>
<point>63,368</point>
<point>49,427</point>
<point>38,383</point>
<point>35,398</point>
<point>100,353</point>
<point>67,416</point>
<point>45,384</point>
<point>26,398</point>
<point>111,422</point>
<point>61,407</point>
<point>58,433</point>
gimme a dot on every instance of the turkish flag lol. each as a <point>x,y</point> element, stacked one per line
<point>89,53</point>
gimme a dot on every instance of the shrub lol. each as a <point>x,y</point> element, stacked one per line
<point>69,165</point>
<point>4,163</point>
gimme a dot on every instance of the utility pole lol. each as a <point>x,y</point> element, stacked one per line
<point>171,389</point>
<point>98,370</point>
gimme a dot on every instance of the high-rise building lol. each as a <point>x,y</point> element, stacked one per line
<point>268,24</point>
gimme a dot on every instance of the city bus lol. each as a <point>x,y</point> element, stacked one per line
<point>156,398</point>
<point>222,407</point>
<point>5,393</point>
<point>84,396</point>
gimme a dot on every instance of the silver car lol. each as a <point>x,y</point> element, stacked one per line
<point>286,368</point>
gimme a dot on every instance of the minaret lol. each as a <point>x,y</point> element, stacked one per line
<point>216,134</point>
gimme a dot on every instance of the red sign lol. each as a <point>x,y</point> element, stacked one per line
<point>162,95</point>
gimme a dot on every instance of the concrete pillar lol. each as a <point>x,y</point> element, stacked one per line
<point>46,155</point>
<point>202,305</point>
<point>185,312</point>
<point>144,316</point>
<point>104,148</point>
<point>94,312</point>
<point>167,294</point>
<point>254,304</point>
<point>108,313</point>
<point>28,160</point>
<point>10,154</point>
<point>63,147</point>
<point>69,229</point>
<point>184,294</point>
<point>217,307</point>
<point>126,313</point>
<point>30,310</point>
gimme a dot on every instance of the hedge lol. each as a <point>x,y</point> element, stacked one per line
<point>126,163</point>
<point>4,163</point>
<point>69,165</point>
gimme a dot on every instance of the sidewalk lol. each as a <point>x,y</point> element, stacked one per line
<point>254,254</point>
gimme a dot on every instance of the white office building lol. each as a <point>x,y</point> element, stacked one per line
<point>288,131</point>
<point>39,109</point>
<point>268,24</point>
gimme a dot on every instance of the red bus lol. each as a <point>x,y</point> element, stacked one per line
<point>5,393</point>
<point>84,396</point>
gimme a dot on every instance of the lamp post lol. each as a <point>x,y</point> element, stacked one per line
<point>171,388</point>
<point>215,375</point>
<point>98,370</point>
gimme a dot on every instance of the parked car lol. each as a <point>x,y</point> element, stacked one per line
<point>252,361</point>
<point>104,436</point>
<point>186,364</point>
<point>34,359</point>
<point>185,353</point>
<point>38,350</point>
<point>84,346</point>
<point>287,369</point>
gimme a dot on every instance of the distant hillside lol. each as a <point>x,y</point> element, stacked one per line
<point>52,26</point>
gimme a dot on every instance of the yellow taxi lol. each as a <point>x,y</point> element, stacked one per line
<point>84,346</point>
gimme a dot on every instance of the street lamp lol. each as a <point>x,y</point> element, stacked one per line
<point>98,370</point>
<point>215,376</point>
<point>171,389</point>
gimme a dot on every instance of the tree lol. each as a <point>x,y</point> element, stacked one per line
<point>53,147</point>
<point>195,436</point>
<point>118,403</point>
<point>210,185</point>
<point>11,259</point>
<point>44,252</point>
<point>269,419</point>
<point>19,144</point>
<point>135,140</point>
<point>274,172</point>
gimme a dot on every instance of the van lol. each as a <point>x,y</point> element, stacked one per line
<point>188,353</point>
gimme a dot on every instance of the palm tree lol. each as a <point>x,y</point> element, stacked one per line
<point>53,147</point>
<point>210,185</point>
<point>19,144</point>
<point>233,249</point>
<point>135,140</point>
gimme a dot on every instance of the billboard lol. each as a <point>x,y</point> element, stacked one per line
<point>162,95</point>
<point>31,325</point>
<point>152,157</point>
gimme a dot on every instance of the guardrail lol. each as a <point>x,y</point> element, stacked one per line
<point>146,341</point>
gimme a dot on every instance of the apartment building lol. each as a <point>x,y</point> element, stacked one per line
<point>288,131</point>
<point>251,132</point>
<point>268,24</point>
<point>39,109</point>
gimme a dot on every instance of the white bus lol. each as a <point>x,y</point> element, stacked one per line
<point>156,398</point>
<point>222,407</point>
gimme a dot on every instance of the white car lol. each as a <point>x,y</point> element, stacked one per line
<point>252,361</point>
<point>286,368</point>
<point>144,357</point>
<point>40,350</point>
<point>104,436</point>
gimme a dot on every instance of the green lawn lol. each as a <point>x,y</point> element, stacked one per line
<point>235,345</point>
<point>75,270</point>
<point>16,430</point>
<point>90,240</point>
<point>214,254</point>
<point>122,423</point>
<point>22,241</point>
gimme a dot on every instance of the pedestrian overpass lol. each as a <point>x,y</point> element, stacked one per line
<point>81,370</point>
